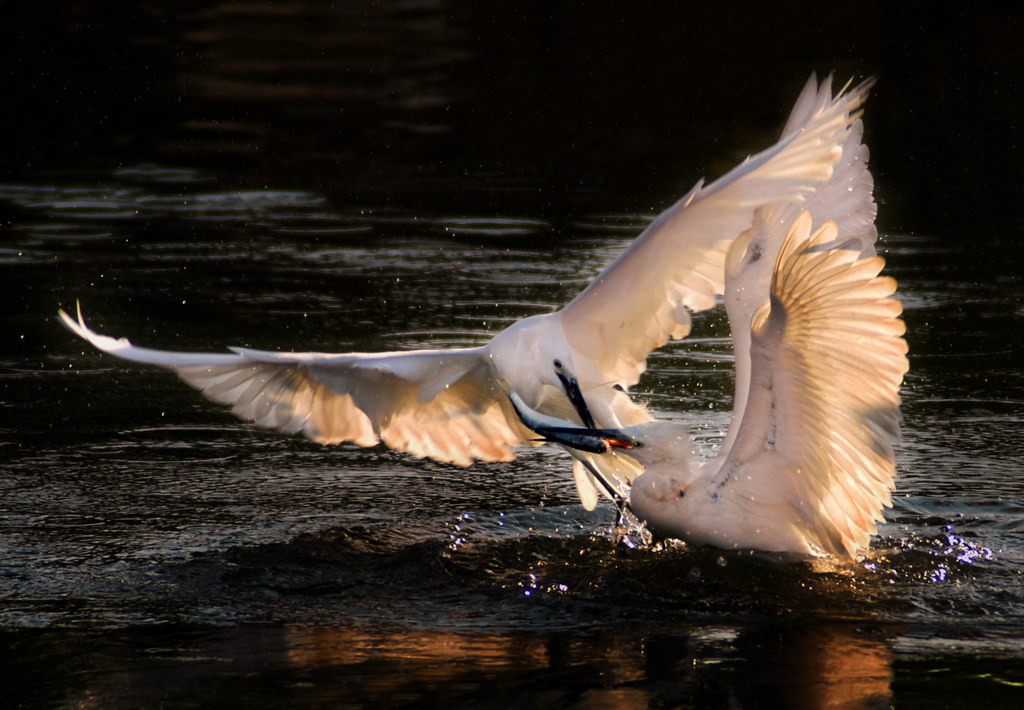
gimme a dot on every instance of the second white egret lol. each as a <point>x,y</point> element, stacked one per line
<point>808,465</point>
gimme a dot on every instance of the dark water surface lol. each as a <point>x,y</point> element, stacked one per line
<point>385,176</point>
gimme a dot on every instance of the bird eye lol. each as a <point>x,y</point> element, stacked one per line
<point>558,363</point>
<point>638,445</point>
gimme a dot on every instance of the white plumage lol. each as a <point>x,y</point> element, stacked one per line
<point>808,466</point>
<point>451,405</point>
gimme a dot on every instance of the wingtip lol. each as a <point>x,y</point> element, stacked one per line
<point>75,325</point>
<point>102,342</point>
<point>70,323</point>
<point>858,94</point>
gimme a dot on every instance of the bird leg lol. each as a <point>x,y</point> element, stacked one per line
<point>621,502</point>
<point>627,531</point>
<point>572,390</point>
<point>594,441</point>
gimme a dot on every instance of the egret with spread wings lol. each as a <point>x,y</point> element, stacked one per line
<point>452,405</point>
<point>808,463</point>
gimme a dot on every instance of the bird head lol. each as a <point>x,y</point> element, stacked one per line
<point>532,359</point>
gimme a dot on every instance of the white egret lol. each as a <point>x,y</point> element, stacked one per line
<point>451,405</point>
<point>808,465</point>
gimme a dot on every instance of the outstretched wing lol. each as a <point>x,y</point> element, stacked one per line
<point>845,199</point>
<point>677,265</point>
<point>441,404</point>
<point>828,358</point>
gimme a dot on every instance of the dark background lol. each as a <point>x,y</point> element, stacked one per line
<point>361,175</point>
<point>540,102</point>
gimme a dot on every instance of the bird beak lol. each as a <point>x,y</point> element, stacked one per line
<point>572,390</point>
<point>557,431</point>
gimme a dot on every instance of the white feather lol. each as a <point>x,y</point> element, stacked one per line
<point>451,405</point>
<point>811,465</point>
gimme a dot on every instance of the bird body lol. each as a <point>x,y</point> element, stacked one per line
<point>809,463</point>
<point>452,405</point>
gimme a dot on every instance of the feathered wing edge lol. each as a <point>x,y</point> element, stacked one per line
<point>677,265</point>
<point>835,340</point>
<point>441,404</point>
<point>845,198</point>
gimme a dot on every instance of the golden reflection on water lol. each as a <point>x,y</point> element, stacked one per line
<point>833,665</point>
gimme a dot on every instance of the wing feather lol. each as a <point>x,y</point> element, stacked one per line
<point>845,198</point>
<point>830,347</point>
<point>678,263</point>
<point>441,404</point>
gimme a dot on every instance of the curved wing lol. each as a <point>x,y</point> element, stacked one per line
<point>845,199</point>
<point>441,404</point>
<point>828,358</point>
<point>678,263</point>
